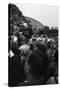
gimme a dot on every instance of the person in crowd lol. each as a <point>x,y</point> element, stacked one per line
<point>16,68</point>
<point>16,71</point>
<point>35,67</point>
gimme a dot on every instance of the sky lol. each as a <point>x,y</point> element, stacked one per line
<point>47,15</point>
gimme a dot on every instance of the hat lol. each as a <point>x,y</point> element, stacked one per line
<point>24,47</point>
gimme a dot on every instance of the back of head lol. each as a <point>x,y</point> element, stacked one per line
<point>38,65</point>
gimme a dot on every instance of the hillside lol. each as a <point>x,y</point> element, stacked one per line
<point>17,21</point>
<point>35,24</point>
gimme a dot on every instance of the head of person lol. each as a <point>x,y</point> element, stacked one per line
<point>24,52</point>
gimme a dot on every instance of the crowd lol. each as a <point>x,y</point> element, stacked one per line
<point>33,61</point>
<point>33,57</point>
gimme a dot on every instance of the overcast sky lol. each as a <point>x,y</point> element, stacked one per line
<point>47,15</point>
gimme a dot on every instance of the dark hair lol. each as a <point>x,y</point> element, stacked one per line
<point>39,65</point>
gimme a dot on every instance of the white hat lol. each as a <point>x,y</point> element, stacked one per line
<point>15,39</point>
<point>25,24</point>
<point>24,47</point>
